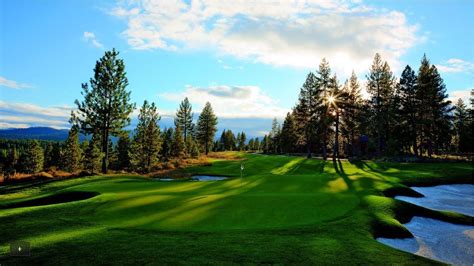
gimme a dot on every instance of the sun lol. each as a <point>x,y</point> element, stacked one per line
<point>331,99</point>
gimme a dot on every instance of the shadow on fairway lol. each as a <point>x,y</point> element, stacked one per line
<point>53,199</point>
<point>340,171</point>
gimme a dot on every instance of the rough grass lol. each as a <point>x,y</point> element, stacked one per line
<point>284,210</point>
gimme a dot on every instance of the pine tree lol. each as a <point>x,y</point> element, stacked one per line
<point>48,155</point>
<point>106,106</point>
<point>184,118</point>
<point>241,141</point>
<point>166,146</point>
<point>146,144</point>
<point>256,144</point>
<point>305,113</point>
<point>352,115</point>
<point>11,161</point>
<point>275,137</point>
<point>461,127</point>
<point>380,84</point>
<point>215,146</point>
<point>251,145</point>
<point>71,156</point>
<point>325,85</point>
<point>265,144</point>
<point>206,127</point>
<point>434,119</point>
<point>123,151</point>
<point>178,148</point>
<point>52,155</point>
<point>93,155</point>
<point>237,141</point>
<point>230,143</point>
<point>409,108</point>
<point>288,136</point>
<point>193,148</point>
<point>32,159</point>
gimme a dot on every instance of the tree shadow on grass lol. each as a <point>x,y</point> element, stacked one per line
<point>340,171</point>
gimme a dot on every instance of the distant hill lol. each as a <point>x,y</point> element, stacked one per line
<point>41,133</point>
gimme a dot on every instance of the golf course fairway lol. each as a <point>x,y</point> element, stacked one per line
<point>283,210</point>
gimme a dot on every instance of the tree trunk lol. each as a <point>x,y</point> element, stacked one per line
<point>415,148</point>
<point>105,150</point>
<point>325,156</point>
<point>335,153</point>
<point>308,144</point>
<point>351,151</point>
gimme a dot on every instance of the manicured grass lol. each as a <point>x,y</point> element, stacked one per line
<point>284,210</point>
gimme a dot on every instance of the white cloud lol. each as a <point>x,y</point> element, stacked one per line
<point>460,94</point>
<point>25,115</point>
<point>280,33</point>
<point>231,101</point>
<point>13,84</point>
<point>229,67</point>
<point>90,37</point>
<point>9,125</point>
<point>27,108</point>
<point>34,121</point>
<point>454,65</point>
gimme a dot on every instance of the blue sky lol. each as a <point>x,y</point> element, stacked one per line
<point>247,58</point>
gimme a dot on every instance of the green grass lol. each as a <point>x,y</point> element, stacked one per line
<point>284,210</point>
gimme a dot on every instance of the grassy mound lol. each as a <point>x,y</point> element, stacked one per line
<point>62,197</point>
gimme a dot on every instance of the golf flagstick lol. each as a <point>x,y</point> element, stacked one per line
<point>241,171</point>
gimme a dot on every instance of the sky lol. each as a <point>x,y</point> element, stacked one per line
<point>247,58</point>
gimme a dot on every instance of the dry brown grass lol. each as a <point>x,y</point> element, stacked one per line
<point>173,168</point>
<point>226,155</point>
<point>21,177</point>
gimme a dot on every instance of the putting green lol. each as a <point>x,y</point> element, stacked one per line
<point>284,210</point>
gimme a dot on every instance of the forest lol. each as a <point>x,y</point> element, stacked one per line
<point>405,117</point>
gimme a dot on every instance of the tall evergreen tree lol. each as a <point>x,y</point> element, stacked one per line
<point>206,127</point>
<point>352,113</point>
<point>305,113</point>
<point>251,145</point>
<point>93,155</point>
<point>32,159</point>
<point>409,108</point>
<point>48,155</point>
<point>288,136</point>
<point>462,128</point>
<point>123,151</point>
<point>106,106</point>
<point>434,119</point>
<point>184,119</point>
<point>256,144</point>
<point>325,85</point>
<point>380,84</point>
<point>166,147</point>
<point>11,161</point>
<point>71,156</point>
<point>230,143</point>
<point>222,141</point>
<point>178,148</point>
<point>241,141</point>
<point>275,136</point>
<point>146,145</point>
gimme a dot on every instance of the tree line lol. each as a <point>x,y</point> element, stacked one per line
<point>406,116</point>
<point>104,112</point>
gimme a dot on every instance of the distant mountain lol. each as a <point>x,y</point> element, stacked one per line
<point>41,133</point>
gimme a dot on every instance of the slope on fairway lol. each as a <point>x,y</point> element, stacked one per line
<point>284,209</point>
